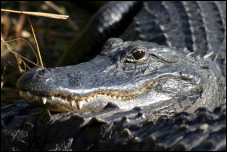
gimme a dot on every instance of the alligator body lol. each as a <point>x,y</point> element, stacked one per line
<point>124,97</point>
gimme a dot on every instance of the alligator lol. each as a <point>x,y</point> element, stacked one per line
<point>159,86</point>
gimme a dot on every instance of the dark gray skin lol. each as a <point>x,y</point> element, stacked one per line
<point>190,80</point>
<point>107,74</point>
<point>25,127</point>
<point>134,73</point>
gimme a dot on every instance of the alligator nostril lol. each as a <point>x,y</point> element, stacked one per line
<point>42,72</point>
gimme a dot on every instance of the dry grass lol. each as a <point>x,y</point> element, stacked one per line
<point>49,15</point>
<point>53,36</point>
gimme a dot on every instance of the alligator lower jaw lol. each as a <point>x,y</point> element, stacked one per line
<point>31,98</point>
<point>63,104</point>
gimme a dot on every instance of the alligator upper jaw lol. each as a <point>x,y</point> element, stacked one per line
<point>63,101</point>
<point>45,88</point>
<point>71,88</point>
<point>96,99</point>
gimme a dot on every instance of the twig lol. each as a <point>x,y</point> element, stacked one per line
<point>37,14</point>
<point>57,9</point>
<point>16,55</point>
<point>40,59</point>
<point>56,16</point>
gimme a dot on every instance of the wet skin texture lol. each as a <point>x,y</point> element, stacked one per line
<point>128,74</point>
<point>164,92</point>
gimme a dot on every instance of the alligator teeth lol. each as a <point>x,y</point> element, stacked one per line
<point>72,102</point>
<point>36,97</point>
<point>89,99</point>
<point>21,93</point>
<point>29,94</point>
<point>209,55</point>
<point>44,99</point>
<point>80,104</point>
<point>52,98</point>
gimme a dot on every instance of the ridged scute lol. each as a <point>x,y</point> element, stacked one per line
<point>111,129</point>
<point>199,27</point>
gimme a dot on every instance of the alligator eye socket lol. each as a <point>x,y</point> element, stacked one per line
<point>138,54</point>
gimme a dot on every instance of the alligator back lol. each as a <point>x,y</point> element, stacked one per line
<point>199,27</point>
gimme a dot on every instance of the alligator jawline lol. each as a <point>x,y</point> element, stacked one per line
<point>63,102</point>
<point>62,99</point>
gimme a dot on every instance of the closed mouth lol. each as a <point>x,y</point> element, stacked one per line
<point>67,103</point>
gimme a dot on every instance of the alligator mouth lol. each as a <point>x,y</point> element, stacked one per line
<point>96,100</point>
<point>60,102</point>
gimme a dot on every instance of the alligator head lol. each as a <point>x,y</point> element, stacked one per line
<point>128,74</point>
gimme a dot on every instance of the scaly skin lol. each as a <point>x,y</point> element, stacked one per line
<point>194,80</point>
<point>128,74</point>
<point>30,128</point>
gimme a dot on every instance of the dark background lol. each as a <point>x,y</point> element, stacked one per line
<point>54,36</point>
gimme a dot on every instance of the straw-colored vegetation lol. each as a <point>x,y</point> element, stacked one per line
<point>22,36</point>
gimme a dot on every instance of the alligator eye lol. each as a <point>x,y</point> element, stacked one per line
<point>136,56</point>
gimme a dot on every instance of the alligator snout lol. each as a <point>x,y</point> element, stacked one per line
<point>35,80</point>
